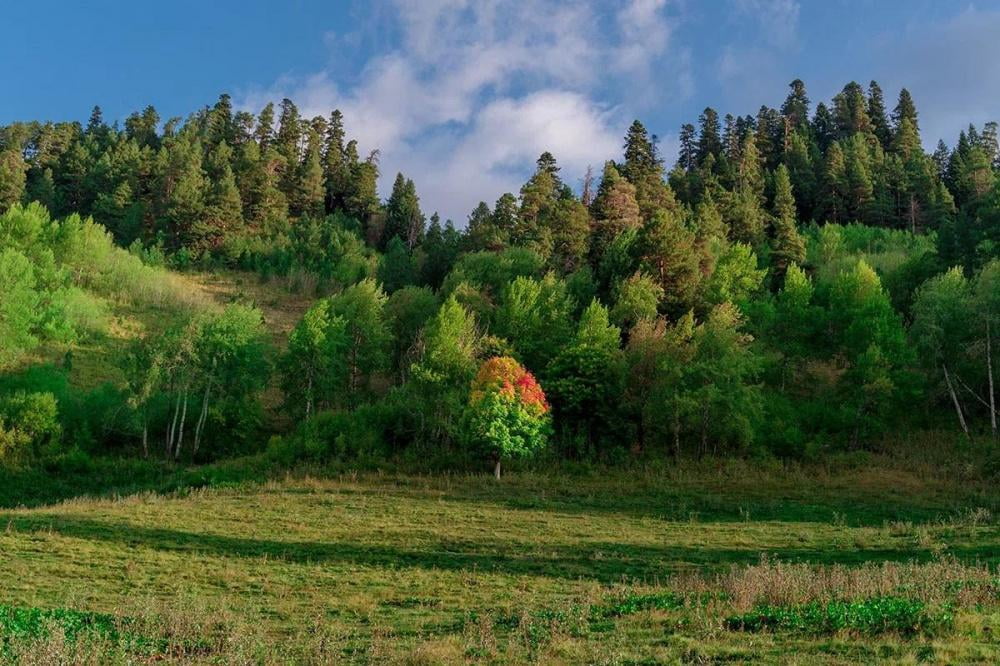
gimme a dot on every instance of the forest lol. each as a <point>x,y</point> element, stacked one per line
<point>733,405</point>
<point>801,281</point>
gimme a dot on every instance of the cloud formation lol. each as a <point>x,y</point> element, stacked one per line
<point>474,90</point>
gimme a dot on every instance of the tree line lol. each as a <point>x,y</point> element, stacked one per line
<point>794,284</point>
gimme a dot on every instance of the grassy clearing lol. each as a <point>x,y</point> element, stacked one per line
<point>646,566</point>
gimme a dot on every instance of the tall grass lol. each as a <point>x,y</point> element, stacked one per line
<point>88,252</point>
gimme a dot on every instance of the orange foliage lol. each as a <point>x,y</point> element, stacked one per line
<point>508,377</point>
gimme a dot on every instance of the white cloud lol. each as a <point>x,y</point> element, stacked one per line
<point>476,89</point>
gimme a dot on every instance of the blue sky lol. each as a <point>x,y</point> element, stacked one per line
<point>462,95</point>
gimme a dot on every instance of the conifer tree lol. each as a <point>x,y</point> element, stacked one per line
<point>264,133</point>
<point>310,190</point>
<point>12,178</point>
<point>403,218</point>
<point>824,127</point>
<point>223,207</point>
<point>835,185</point>
<point>667,252</point>
<point>788,246</point>
<point>859,180</point>
<point>709,141</point>
<point>570,230</point>
<point>688,157</point>
<point>220,124</point>
<point>876,113</point>
<point>905,109</point>
<point>287,143</point>
<point>615,210</point>
<point>796,105</point>
<point>336,171</point>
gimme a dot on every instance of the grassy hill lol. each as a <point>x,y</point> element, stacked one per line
<point>628,567</point>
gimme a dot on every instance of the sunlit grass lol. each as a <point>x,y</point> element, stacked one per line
<point>540,567</point>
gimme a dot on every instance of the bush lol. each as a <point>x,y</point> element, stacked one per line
<point>874,616</point>
<point>28,423</point>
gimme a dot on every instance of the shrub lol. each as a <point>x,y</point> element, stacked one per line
<point>28,421</point>
<point>878,615</point>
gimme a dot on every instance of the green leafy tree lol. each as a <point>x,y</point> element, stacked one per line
<point>637,298</point>
<point>535,315</point>
<point>407,311</point>
<point>314,366</point>
<point>362,306</point>
<point>585,383</point>
<point>871,341</point>
<point>942,319</point>
<point>441,375</point>
<point>19,307</point>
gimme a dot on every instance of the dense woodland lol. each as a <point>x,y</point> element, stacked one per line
<point>802,280</point>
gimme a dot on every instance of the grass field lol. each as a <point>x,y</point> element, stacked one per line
<point>642,566</point>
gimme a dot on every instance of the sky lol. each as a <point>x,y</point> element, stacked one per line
<point>463,95</point>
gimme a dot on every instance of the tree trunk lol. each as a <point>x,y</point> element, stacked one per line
<point>989,373</point>
<point>954,400</point>
<point>201,420</point>
<point>496,470</point>
<point>173,426</point>
<point>677,437</point>
<point>145,438</point>
<point>180,435</point>
<point>309,397</point>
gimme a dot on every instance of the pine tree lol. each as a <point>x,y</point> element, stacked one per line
<point>709,142</point>
<point>615,210</point>
<point>182,189</point>
<point>223,208</point>
<point>480,234</point>
<point>644,169</point>
<point>905,141</point>
<point>310,190</point>
<point>570,229</point>
<point>796,106</point>
<point>802,171</point>
<point>12,178</point>
<point>750,176</point>
<point>336,172</point>
<point>988,140</point>
<point>667,253</point>
<point>859,180</point>
<point>257,177</point>
<point>788,246</point>
<point>905,109</point>
<point>640,153</point>
<point>287,143</point>
<point>941,157</point>
<point>876,113</point>
<point>688,155</point>
<point>835,187</point>
<point>850,111</point>
<point>264,134</point>
<point>538,196</point>
<point>403,218</point>
<point>221,127</point>
<point>824,127</point>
